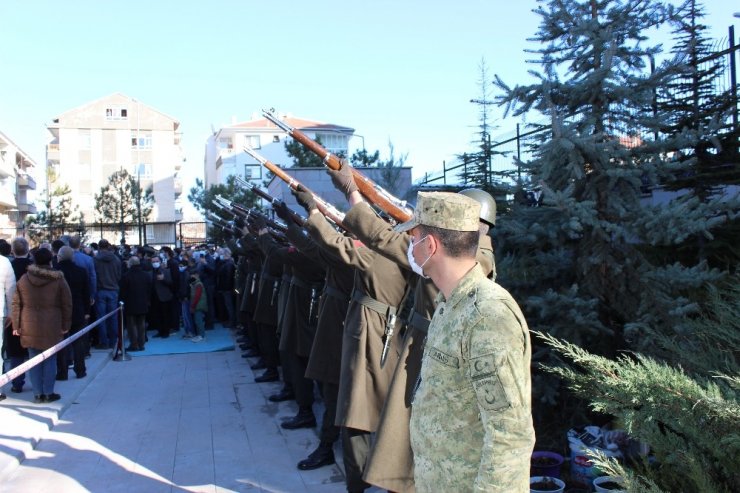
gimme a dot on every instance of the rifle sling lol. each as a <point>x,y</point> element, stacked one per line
<point>373,304</point>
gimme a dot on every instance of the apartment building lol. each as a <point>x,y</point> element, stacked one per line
<point>16,188</point>
<point>225,156</point>
<point>93,141</point>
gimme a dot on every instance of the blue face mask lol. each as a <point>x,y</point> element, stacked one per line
<point>155,265</point>
<point>182,268</point>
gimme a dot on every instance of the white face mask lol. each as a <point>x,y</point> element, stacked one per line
<point>419,269</point>
<point>155,265</point>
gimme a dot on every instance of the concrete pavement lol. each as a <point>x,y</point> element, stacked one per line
<point>185,422</point>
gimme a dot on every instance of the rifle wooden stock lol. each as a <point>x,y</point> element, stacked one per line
<point>294,216</point>
<point>328,210</point>
<point>393,206</point>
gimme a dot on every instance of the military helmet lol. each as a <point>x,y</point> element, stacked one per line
<point>487,204</point>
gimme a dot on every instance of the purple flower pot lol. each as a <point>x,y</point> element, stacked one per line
<point>546,464</point>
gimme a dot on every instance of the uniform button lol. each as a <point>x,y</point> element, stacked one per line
<point>471,294</point>
<point>441,311</point>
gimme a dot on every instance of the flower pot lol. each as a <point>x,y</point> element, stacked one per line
<point>609,484</point>
<point>545,484</point>
<point>546,464</point>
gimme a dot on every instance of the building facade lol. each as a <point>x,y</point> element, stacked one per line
<point>16,188</point>
<point>93,141</point>
<point>225,156</point>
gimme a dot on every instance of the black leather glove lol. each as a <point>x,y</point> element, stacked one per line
<point>258,221</point>
<point>343,179</point>
<point>304,198</point>
<point>283,212</point>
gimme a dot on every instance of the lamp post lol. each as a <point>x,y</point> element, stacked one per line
<point>138,200</point>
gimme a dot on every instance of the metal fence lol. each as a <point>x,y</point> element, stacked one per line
<point>182,234</point>
<point>509,149</point>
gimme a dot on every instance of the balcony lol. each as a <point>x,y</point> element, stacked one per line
<point>7,168</point>
<point>26,181</point>
<point>52,152</point>
<point>26,208</point>
<point>177,186</point>
<point>7,198</point>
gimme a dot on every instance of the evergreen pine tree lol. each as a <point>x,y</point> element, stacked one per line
<point>683,403</point>
<point>695,129</point>
<point>578,263</point>
<point>203,200</point>
<point>478,167</point>
<point>58,215</point>
<point>122,201</point>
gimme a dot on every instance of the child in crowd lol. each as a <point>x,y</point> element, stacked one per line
<point>198,305</point>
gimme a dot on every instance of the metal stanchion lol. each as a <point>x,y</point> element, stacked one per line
<point>121,354</point>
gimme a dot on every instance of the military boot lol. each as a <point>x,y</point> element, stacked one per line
<point>304,419</point>
<point>322,456</point>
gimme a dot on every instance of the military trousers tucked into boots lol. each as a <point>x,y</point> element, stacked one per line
<point>355,451</point>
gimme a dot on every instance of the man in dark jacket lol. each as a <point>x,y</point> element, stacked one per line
<point>15,353</point>
<point>225,285</point>
<point>108,273</point>
<point>76,278</point>
<point>136,294</point>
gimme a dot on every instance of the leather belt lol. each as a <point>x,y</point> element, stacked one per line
<point>372,303</point>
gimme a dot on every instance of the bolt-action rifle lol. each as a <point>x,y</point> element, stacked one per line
<point>294,216</point>
<point>245,213</point>
<point>328,210</point>
<point>377,195</point>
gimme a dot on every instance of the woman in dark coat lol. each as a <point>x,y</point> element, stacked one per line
<point>136,294</point>
<point>42,314</point>
<point>76,278</point>
<point>160,316</point>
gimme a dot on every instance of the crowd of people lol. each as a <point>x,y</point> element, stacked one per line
<point>52,291</point>
<point>421,359</point>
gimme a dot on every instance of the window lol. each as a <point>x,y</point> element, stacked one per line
<point>225,143</point>
<point>276,138</point>
<point>143,171</point>
<point>116,113</point>
<point>142,140</point>
<point>252,141</point>
<point>333,142</point>
<point>252,172</point>
<point>84,139</point>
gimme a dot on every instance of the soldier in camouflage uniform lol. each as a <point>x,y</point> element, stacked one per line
<point>471,421</point>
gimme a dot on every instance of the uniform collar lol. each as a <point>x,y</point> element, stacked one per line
<point>465,286</point>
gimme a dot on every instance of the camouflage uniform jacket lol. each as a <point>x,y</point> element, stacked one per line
<point>471,420</point>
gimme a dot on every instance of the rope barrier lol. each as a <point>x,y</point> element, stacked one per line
<point>24,367</point>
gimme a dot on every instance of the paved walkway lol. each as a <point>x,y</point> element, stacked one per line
<point>170,423</point>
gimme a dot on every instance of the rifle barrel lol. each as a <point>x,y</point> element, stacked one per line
<point>376,194</point>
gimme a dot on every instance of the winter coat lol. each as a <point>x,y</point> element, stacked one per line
<point>198,301</point>
<point>108,270</point>
<point>225,275</point>
<point>12,344</point>
<point>76,278</point>
<point>7,285</point>
<point>163,287</point>
<point>42,308</point>
<point>136,291</point>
